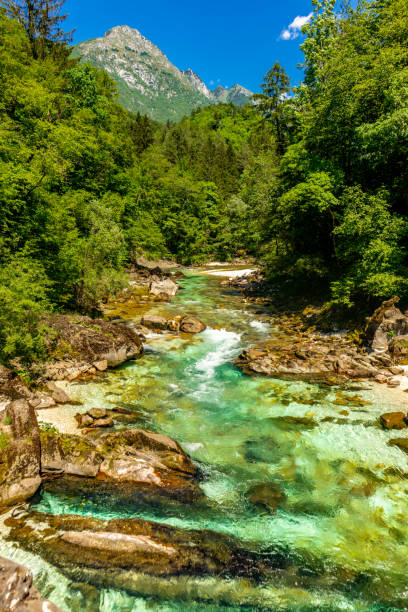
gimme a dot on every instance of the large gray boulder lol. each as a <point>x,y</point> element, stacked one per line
<point>17,593</point>
<point>165,286</point>
<point>92,340</point>
<point>19,453</point>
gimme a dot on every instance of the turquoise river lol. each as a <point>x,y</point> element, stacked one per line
<point>344,490</point>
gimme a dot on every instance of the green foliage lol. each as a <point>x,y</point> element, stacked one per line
<point>316,185</point>
<point>273,101</point>
<point>4,441</point>
<point>23,299</point>
<point>370,241</point>
<point>339,211</point>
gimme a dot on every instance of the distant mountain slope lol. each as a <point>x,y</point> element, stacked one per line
<point>147,81</point>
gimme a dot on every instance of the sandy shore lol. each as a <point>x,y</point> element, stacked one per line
<point>229,273</point>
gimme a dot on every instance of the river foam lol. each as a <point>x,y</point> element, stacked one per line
<point>222,345</point>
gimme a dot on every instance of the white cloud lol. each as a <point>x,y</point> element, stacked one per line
<point>294,29</point>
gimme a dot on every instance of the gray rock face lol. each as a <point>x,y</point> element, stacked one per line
<point>19,453</point>
<point>17,593</point>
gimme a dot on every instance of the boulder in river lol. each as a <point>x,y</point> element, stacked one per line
<point>64,453</point>
<point>17,593</point>
<point>92,340</point>
<point>19,453</point>
<point>154,322</point>
<point>384,327</point>
<point>402,443</point>
<point>166,287</point>
<point>191,325</point>
<point>393,420</point>
<point>266,496</point>
<point>127,459</point>
<point>114,553</point>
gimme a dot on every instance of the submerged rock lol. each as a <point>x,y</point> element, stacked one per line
<point>402,443</point>
<point>267,495</point>
<point>191,325</point>
<point>17,593</point>
<point>19,453</point>
<point>115,552</point>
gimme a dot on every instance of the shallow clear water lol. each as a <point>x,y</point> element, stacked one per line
<point>342,518</point>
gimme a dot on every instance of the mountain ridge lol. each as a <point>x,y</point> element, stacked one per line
<point>147,81</point>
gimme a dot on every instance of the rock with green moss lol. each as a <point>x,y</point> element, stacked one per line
<point>19,453</point>
<point>87,341</point>
<point>68,454</point>
<point>127,460</point>
<point>116,552</point>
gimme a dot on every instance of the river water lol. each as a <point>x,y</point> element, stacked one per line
<point>343,491</point>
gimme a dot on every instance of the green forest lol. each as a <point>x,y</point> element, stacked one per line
<point>312,181</point>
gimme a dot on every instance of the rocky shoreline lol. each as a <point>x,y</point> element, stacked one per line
<point>305,353</point>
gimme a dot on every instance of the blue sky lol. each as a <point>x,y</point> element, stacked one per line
<point>225,42</point>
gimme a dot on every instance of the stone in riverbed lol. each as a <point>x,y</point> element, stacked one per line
<point>144,458</point>
<point>17,593</point>
<point>115,552</point>
<point>154,322</point>
<point>267,495</point>
<point>191,325</point>
<point>97,413</point>
<point>83,420</point>
<point>101,365</point>
<point>106,422</point>
<point>174,324</point>
<point>402,443</point>
<point>41,401</point>
<point>122,462</point>
<point>166,286</point>
<point>59,396</point>
<point>393,420</point>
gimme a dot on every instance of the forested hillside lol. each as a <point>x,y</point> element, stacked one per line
<point>313,182</point>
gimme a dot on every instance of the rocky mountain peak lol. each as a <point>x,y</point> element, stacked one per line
<point>147,81</point>
<point>197,82</point>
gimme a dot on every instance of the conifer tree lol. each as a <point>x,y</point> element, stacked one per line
<point>42,21</point>
<point>275,87</point>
